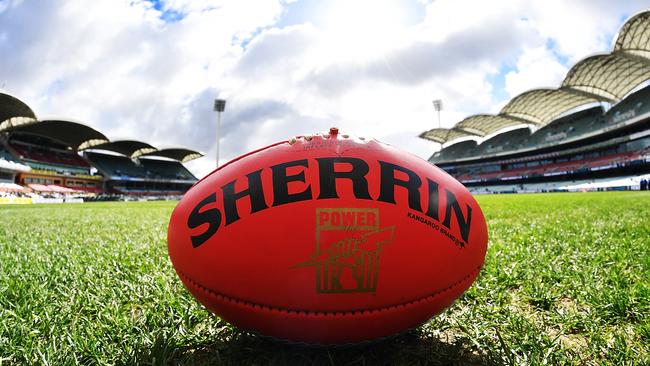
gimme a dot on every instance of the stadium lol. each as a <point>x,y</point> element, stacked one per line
<point>59,160</point>
<point>590,133</point>
<point>85,270</point>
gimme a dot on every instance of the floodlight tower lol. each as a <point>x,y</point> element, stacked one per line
<point>219,106</point>
<point>437,105</point>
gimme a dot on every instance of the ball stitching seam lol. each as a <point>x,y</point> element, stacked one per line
<point>325,313</point>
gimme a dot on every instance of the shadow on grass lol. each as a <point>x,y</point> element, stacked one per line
<point>239,348</point>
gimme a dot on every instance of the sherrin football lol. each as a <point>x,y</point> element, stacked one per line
<point>327,239</point>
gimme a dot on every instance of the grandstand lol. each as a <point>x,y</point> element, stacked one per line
<point>593,132</point>
<point>158,172</point>
<point>64,158</point>
<point>49,149</point>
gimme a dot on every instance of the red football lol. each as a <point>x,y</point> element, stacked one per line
<point>327,239</point>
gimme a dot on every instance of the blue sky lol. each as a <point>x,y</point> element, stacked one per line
<point>150,70</point>
<point>168,15</point>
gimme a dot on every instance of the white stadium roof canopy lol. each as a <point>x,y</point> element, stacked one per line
<point>16,117</point>
<point>595,79</point>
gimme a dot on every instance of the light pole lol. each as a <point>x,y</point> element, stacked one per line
<point>437,105</point>
<point>219,106</point>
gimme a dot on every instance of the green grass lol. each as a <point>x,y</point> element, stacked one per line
<point>566,281</point>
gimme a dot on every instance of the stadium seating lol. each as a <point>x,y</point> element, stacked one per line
<point>507,141</point>
<point>6,155</point>
<point>48,156</point>
<point>559,186</point>
<point>165,169</point>
<point>566,128</point>
<point>557,168</point>
<point>458,150</point>
<point>147,192</point>
<point>115,166</point>
<point>96,190</point>
<point>121,166</point>
<point>632,106</point>
<point>53,188</point>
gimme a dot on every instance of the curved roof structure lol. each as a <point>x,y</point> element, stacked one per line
<point>600,78</point>
<point>17,116</point>
<point>73,134</point>
<point>609,77</point>
<point>13,112</point>
<point>486,124</point>
<point>634,35</point>
<point>130,148</point>
<point>180,154</point>
<point>541,106</point>
<point>442,135</point>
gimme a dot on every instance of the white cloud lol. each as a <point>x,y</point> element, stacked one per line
<point>581,28</point>
<point>536,68</point>
<point>120,67</point>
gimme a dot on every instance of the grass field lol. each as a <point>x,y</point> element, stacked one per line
<point>566,281</point>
